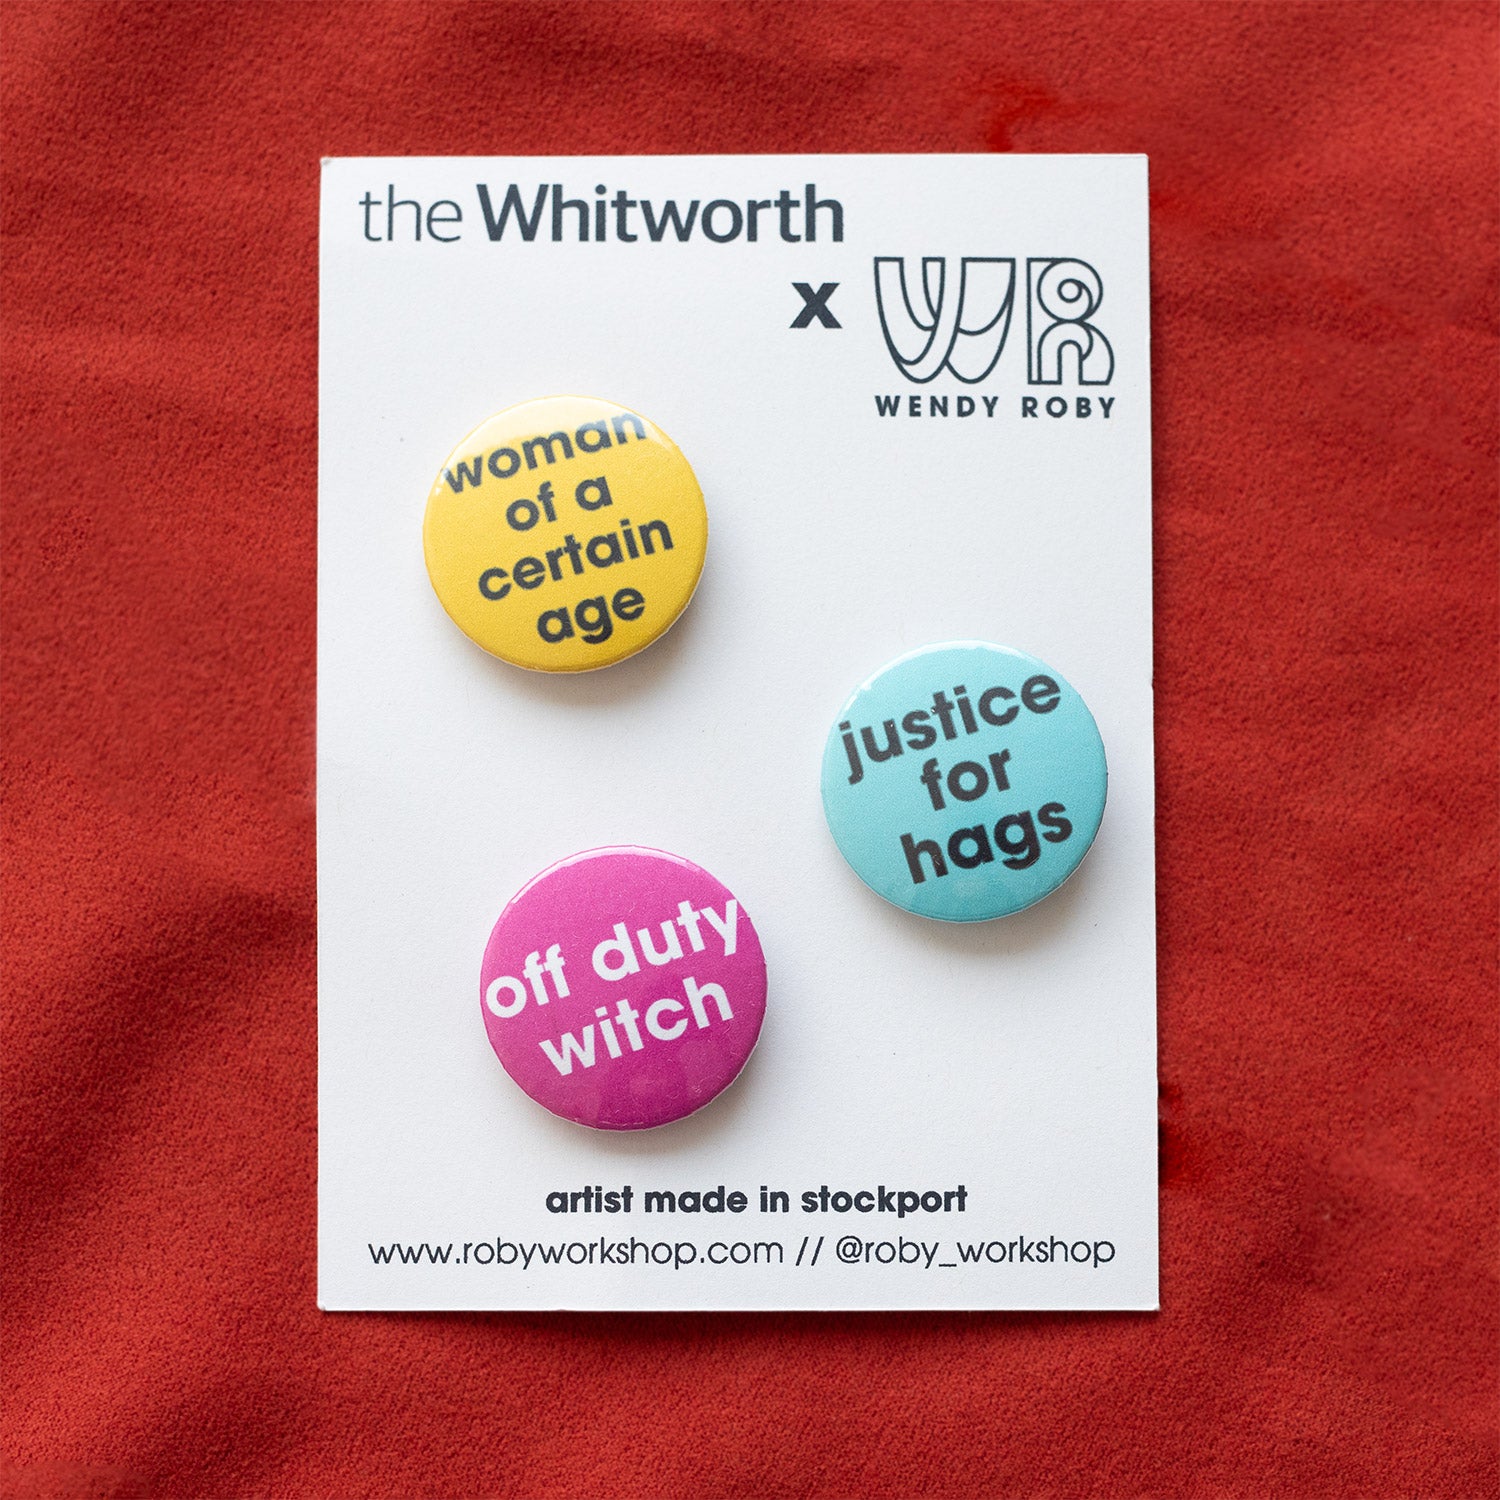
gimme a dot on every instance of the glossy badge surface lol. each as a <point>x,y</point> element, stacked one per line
<point>565,534</point>
<point>964,781</point>
<point>623,988</point>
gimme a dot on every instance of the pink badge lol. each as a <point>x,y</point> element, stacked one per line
<point>623,988</point>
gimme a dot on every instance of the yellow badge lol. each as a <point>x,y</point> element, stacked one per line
<point>565,534</point>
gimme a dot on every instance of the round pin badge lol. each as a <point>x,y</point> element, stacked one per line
<point>565,534</point>
<point>964,781</point>
<point>623,988</point>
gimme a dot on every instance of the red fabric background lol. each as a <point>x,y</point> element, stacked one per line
<point>1324,262</point>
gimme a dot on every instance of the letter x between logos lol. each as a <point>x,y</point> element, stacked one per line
<point>815,305</point>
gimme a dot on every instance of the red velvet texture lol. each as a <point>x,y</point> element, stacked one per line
<point>1324,226</point>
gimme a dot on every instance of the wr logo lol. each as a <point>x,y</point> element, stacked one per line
<point>960,324</point>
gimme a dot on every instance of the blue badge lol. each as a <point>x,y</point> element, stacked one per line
<point>964,781</point>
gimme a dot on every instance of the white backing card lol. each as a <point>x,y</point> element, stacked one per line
<point>857,510</point>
